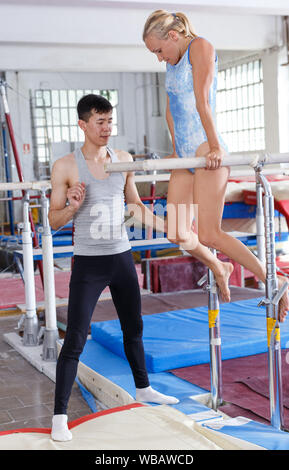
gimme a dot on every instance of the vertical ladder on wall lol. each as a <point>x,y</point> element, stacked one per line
<point>41,168</point>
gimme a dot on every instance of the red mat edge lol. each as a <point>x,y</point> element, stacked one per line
<point>75,422</point>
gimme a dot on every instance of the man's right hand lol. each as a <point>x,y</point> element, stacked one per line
<point>76,195</point>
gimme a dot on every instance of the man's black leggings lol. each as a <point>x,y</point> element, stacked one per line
<point>90,275</point>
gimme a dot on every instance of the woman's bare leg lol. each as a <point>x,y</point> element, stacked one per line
<point>209,194</point>
<point>180,210</point>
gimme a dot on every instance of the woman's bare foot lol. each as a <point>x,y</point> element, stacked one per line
<point>283,305</point>
<point>222,277</point>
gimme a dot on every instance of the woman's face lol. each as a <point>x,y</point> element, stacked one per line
<point>165,49</point>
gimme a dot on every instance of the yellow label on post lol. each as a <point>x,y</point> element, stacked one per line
<point>277,334</point>
<point>212,317</point>
<point>270,327</point>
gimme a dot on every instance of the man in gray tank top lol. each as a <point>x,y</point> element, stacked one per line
<point>82,191</point>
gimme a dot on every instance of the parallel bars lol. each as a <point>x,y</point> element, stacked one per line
<point>265,212</point>
<point>273,294</point>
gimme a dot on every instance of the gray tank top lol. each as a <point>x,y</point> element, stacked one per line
<point>99,227</point>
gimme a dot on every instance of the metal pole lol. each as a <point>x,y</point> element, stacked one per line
<point>273,295</point>
<point>51,330</point>
<point>260,231</point>
<point>30,335</point>
<point>152,194</point>
<point>214,338</point>
<point>17,162</point>
<point>8,179</point>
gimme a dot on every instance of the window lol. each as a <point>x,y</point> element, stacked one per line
<point>240,107</point>
<point>55,117</point>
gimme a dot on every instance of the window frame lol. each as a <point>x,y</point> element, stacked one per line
<point>55,124</point>
<point>240,113</point>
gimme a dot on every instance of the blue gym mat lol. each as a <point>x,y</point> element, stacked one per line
<point>117,370</point>
<point>257,433</point>
<point>181,338</point>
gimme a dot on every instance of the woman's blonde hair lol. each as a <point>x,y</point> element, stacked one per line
<point>160,22</point>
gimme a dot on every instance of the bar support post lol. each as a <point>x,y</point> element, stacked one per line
<point>271,302</point>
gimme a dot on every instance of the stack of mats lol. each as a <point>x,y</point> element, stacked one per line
<point>174,274</point>
<point>179,339</point>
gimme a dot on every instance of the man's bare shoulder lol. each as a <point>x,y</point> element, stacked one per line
<point>65,165</point>
<point>65,161</point>
<point>65,170</point>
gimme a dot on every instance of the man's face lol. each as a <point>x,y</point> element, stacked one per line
<point>98,128</point>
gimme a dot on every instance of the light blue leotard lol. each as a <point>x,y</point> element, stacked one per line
<point>188,128</point>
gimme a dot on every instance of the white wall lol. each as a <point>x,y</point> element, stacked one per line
<point>75,38</point>
<point>271,105</point>
<point>283,101</point>
<point>276,100</point>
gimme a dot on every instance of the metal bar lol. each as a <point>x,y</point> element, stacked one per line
<point>234,173</point>
<point>260,234</point>
<point>37,185</point>
<point>30,318</point>
<point>271,302</point>
<point>200,162</point>
<point>214,338</point>
<point>215,341</point>
<point>18,164</point>
<point>215,345</point>
<point>8,179</point>
<point>152,194</point>
<point>51,330</point>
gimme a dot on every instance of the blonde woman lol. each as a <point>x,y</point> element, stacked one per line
<point>191,85</point>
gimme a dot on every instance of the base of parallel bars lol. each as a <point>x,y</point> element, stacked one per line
<point>216,401</point>
<point>216,397</point>
<point>275,388</point>
<point>30,332</point>
<point>49,345</point>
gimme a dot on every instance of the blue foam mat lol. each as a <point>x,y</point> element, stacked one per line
<point>181,338</point>
<point>88,397</point>
<point>117,370</point>
<point>257,433</point>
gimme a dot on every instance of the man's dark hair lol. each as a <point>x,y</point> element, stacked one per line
<point>91,102</point>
